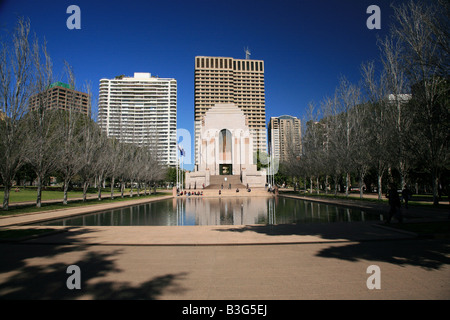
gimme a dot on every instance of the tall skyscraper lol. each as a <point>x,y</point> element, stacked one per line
<point>141,110</point>
<point>228,80</point>
<point>61,96</point>
<point>285,137</point>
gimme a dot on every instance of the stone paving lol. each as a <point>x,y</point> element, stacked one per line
<point>311,261</point>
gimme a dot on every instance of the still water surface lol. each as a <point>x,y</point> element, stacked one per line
<point>219,211</point>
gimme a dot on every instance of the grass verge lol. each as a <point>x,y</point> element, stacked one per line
<point>23,209</point>
<point>424,201</point>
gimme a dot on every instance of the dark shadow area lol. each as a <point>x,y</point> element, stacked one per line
<point>365,241</point>
<point>149,290</point>
<point>348,231</point>
<point>428,254</point>
<point>23,277</point>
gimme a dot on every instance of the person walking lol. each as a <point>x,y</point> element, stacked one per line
<point>394,204</point>
<point>406,195</point>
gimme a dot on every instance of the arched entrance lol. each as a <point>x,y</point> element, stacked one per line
<point>225,152</point>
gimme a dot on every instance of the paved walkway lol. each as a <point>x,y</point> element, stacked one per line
<point>311,261</point>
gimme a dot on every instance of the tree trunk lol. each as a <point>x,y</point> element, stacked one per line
<point>6,197</point>
<point>131,189</point>
<point>380,191</point>
<point>317,184</point>
<point>99,193</point>
<point>402,168</point>
<point>311,185</point>
<point>347,182</point>
<point>361,179</point>
<point>85,187</point>
<point>112,187</point>
<point>66,188</point>
<point>39,192</point>
<point>435,178</point>
<point>336,181</point>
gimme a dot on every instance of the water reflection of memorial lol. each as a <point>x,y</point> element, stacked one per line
<point>225,211</point>
<point>220,211</point>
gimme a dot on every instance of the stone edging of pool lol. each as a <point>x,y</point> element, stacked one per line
<point>196,235</point>
<point>37,217</point>
<point>215,235</point>
<point>416,212</point>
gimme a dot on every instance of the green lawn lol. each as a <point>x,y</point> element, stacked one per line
<point>30,194</point>
<point>420,200</point>
<point>13,210</point>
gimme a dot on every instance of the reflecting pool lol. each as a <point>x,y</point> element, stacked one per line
<point>219,211</point>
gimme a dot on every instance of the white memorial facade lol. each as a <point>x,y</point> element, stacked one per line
<point>225,149</point>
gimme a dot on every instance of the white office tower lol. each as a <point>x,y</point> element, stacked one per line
<point>141,110</point>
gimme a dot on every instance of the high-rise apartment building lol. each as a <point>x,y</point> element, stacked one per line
<point>141,110</point>
<point>285,137</point>
<point>228,80</point>
<point>61,96</point>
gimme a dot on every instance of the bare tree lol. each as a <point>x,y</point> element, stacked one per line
<point>87,149</point>
<point>69,131</point>
<point>380,129</point>
<point>114,157</point>
<point>422,31</point>
<point>347,97</point>
<point>397,86</point>
<point>360,141</point>
<point>15,90</point>
<point>133,172</point>
<point>329,163</point>
<point>312,146</point>
<point>41,134</point>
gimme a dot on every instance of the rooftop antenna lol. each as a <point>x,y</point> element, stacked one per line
<point>247,53</point>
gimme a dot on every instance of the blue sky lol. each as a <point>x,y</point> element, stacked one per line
<point>306,45</point>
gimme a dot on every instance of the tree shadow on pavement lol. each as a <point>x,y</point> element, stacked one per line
<point>362,241</point>
<point>428,254</point>
<point>39,271</point>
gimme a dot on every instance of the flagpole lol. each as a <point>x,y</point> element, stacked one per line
<point>182,172</point>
